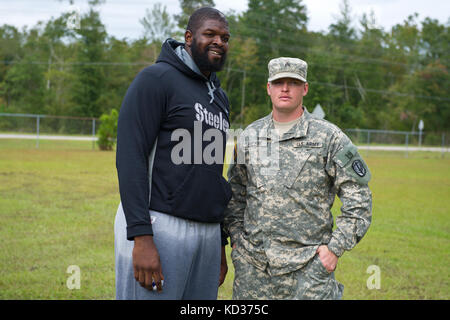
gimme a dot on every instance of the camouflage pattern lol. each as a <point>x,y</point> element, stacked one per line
<point>279,216</point>
<point>311,282</point>
<point>287,68</point>
<point>262,286</point>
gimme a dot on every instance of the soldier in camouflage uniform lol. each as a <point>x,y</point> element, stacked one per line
<point>289,167</point>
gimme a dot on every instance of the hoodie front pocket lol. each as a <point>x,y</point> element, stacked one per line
<point>202,196</point>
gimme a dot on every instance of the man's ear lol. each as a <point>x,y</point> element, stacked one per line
<point>188,38</point>
<point>268,88</point>
<point>305,91</point>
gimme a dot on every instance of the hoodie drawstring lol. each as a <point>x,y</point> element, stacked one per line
<point>211,89</point>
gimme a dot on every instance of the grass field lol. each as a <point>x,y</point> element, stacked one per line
<point>58,203</point>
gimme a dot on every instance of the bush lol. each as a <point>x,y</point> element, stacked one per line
<point>107,133</point>
<point>432,139</point>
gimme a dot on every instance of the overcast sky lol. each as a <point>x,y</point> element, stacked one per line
<point>121,17</point>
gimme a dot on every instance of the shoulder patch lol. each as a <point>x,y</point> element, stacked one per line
<point>359,168</point>
<point>346,154</point>
<point>352,165</point>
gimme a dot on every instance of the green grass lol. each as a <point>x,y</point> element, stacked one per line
<point>58,203</point>
<point>43,145</point>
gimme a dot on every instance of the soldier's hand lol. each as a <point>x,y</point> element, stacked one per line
<point>328,258</point>
<point>146,263</point>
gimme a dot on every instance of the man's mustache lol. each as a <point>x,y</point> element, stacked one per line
<point>215,48</point>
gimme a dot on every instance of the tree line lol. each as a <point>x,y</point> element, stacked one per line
<point>362,75</point>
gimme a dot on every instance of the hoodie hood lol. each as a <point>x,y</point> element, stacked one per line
<point>173,53</point>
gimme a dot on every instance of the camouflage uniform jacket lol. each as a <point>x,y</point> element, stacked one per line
<point>278,216</point>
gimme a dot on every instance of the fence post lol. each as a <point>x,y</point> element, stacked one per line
<point>93,134</point>
<point>406,143</point>
<point>443,145</point>
<point>37,131</point>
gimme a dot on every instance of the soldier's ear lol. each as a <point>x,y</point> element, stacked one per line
<point>305,91</point>
<point>268,88</point>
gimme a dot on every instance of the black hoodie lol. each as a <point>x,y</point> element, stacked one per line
<point>162,98</point>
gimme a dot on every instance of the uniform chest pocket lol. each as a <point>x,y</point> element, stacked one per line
<point>261,176</point>
<point>301,166</point>
<point>292,165</point>
<point>263,166</point>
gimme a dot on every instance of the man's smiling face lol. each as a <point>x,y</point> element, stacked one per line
<point>209,45</point>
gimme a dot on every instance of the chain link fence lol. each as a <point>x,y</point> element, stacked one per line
<point>400,141</point>
<point>400,138</point>
<point>65,128</point>
<point>47,127</point>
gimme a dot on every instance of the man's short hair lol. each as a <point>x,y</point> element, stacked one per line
<point>201,15</point>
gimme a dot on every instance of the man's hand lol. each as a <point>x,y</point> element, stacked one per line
<point>146,263</point>
<point>223,267</point>
<point>328,258</point>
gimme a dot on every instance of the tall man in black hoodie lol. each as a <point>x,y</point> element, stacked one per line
<point>170,145</point>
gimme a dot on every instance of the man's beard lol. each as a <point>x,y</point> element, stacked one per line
<point>202,61</point>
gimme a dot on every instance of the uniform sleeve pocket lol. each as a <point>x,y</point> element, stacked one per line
<point>352,165</point>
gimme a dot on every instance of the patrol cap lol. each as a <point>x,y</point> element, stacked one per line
<point>284,67</point>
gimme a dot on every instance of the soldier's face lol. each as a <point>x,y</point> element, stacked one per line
<point>209,45</point>
<point>287,94</point>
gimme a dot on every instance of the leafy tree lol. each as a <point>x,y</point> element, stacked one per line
<point>363,76</point>
<point>373,74</point>
<point>435,41</point>
<point>188,7</point>
<point>58,77</point>
<point>275,24</point>
<point>89,72</point>
<point>422,96</point>
<point>342,38</point>
<point>10,52</point>
<point>158,24</point>
<point>277,27</point>
<point>341,30</point>
<point>24,82</point>
<point>240,65</point>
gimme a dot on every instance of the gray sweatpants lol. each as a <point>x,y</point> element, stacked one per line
<point>190,254</point>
